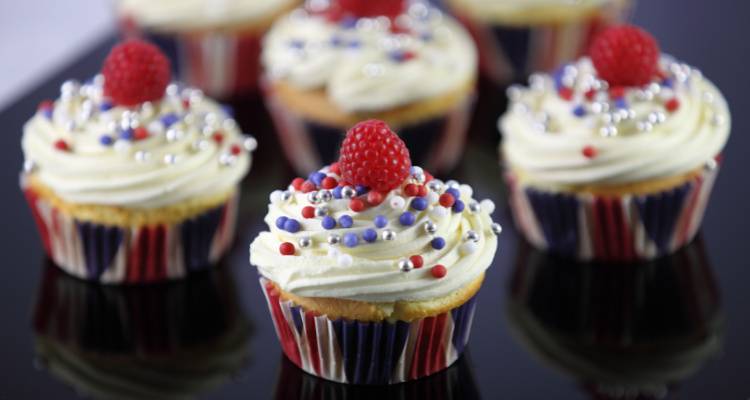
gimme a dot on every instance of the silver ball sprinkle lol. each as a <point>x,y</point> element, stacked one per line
<point>348,192</point>
<point>419,177</point>
<point>304,242</point>
<point>599,107</point>
<point>405,265</point>
<point>286,195</point>
<point>142,156</point>
<point>451,184</point>
<point>474,206</point>
<point>711,164</point>
<point>334,239</point>
<point>608,131</point>
<point>173,89</point>
<point>496,228</point>
<point>321,211</point>
<point>644,126</point>
<point>170,159</point>
<point>325,195</point>
<point>227,159</point>
<point>29,166</point>
<point>174,135</point>
<point>435,185</point>
<point>249,143</point>
<point>429,227</point>
<point>313,197</point>
<point>514,92</point>
<point>656,117</point>
<point>471,236</point>
<point>388,234</point>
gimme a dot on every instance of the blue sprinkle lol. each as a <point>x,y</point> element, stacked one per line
<point>228,110</point>
<point>317,178</point>
<point>354,44</point>
<point>380,221</point>
<point>621,103</point>
<point>369,235</point>
<point>169,119</point>
<point>419,203</point>
<point>291,225</point>
<point>47,112</point>
<point>346,221</point>
<point>361,189</point>
<point>105,106</point>
<point>351,240</point>
<point>558,76</point>
<point>437,243</point>
<point>406,219</point>
<point>297,43</point>
<point>579,111</point>
<point>336,41</point>
<point>126,134</point>
<point>458,206</point>
<point>397,55</point>
<point>455,192</point>
<point>337,192</point>
<point>668,82</point>
<point>348,22</point>
<point>426,36</point>
<point>105,140</point>
<point>281,221</point>
<point>328,222</point>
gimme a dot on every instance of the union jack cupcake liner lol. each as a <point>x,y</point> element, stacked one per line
<point>136,254</point>
<point>373,353</point>
<point>611,228</point>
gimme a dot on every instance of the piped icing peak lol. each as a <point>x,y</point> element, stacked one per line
<point>419,240</point>
<point>573,127</point>
<point>167,147</point>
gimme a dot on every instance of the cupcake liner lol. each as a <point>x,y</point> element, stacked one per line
<point>373,353</point>
<point>436,144</point>
<point>222,64</point>
<point>511,53</point>
<point>136,254</point>
<point>611,228</point>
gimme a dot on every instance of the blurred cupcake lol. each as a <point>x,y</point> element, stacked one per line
<point>330,66</point>
<point>518,37</point>
<point>213,44</point>
<point>130,179</point>
<point>371,267</point>
<point>155,342</point>
<point>613,157</point>
<point>632,332</point>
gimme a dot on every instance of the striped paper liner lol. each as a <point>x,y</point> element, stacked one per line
<point>134,254</point>
<point>372,353</point>
<point>222,64</point>
<point>510,53</point>
<point>436,144</point>
<point>611,228</point>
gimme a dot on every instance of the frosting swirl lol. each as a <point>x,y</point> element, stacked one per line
<point>157,154</point>
<point>375,268</point>
<point>567,129</point>
<point>367,64</point>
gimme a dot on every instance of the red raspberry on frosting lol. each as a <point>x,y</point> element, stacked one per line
<point>365,8</point>
<point>374,156</point>
<point>625,56</point>
<point>135,72</point>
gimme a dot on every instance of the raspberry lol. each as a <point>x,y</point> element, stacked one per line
<point>625,56</point>
<point>374,156</point>
<point>370,8</point>
<point>135,72</point>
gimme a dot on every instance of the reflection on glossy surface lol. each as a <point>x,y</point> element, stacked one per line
<point>454,383</point>
<point>623,331</point>
<point>165,341</point>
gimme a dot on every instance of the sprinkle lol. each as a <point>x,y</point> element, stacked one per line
<point>337,192</point>
<point>401,55</point>
<point>329,183</point>
<point>406,219</point>
<point>328,222</point>
<point>334,168</point>
<point>468,247</point>
<point>351,240</point>
<point>169,119</point>
<point>374,197</point>
<point>126,134</point>
<point>307,187</point>
<point>439,212</point>
<point>438,271</point>
<point>621,103</point>
<point>397,202</point>
<point>297,183</point>
<point>667,83</point>
<point>458,206</point>
<point>579,111</point>
<point>437,243</point>
<point>235,149</point>
<point>361,189</point>
<point>348,192</point>
<point>61,145</point>
<point>140,133</point>
<point>566,93</point>
<point>590,94</point>
<point>617,92</point>
<point>411,190</point>
<point>346,221</point>
<point>672,104</point>
<point>291,225</point>
<point>369,235</point>
<point>405,265</point>
<point>344,260</point>
<point>455,192</point>
<point>317,178</point>
<point>105,106</point>
<point>286,249</point>
<point>388,234</point>
<point>308,211</point>
<point>421,191</point>
<point>356,205</point>
<point>488,206</point>
<point>446,200</point>
<point>589,152</point>
<point>417,261</point>
<point>105,140</point>
<point>419,203</point>
<point>380,221</point>
<point>275,196</point>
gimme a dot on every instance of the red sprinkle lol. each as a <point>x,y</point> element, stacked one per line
<point>335,168</point>
<point>447,200</point>
<point>297,183</point>
<point>417,261</point>
<point>374,197</point>
<point>286,249</point>
<point>61,145</point>
<point>566,93</point>
<point>46,105</point>
<point>356,205</point>
<point>438,271</point>
<point>672,104</point>
<point>329,182</point>
<point>422,191</point>
<point>428,177</point>
<point>590,94</point>
<point>616,92</point>
<point>308,211</point>
<point>218,137</point>
<point>589,151</point>
<point>140,133</point>
<point>186,103</point>
<point>307,187</point>
<point>411,190</point>
<point>235,149</point>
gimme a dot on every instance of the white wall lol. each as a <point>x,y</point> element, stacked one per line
<point>39,36</point>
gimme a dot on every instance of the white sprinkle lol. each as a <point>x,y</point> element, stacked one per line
<point>432,198</point>
<point>276,196</point>
<point>397,203</point>
<point>345,260</point>
<point>469,247</point>
<point>439,212</point>
<point>487,206</point>
<point>122,146</point>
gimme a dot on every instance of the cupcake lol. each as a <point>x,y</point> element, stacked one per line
<point>131,179</point>
<point>518,37</point>
<point>328,67</point>
<point>613,156</point>
<point>213,45</point>
<point>371,267</point>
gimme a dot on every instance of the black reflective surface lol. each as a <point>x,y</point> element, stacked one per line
<point>544,328</point>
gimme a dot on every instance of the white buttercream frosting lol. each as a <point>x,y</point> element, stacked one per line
<point>634,139</point>
<point>186,14</point>
<point>107,162</point>
<point>363,65</point>
<point>371,270</point>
